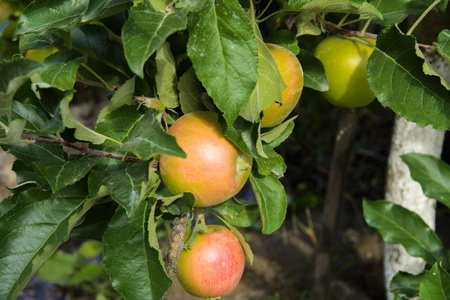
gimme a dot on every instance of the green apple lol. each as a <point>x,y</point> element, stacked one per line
<point>214,264</point>
<point>214,170</point>
<point>345,64</point>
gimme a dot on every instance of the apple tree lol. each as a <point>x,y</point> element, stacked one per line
<point>158,60</point>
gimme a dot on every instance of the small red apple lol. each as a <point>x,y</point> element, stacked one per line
<point>214,169</point>
<point>213,265</point>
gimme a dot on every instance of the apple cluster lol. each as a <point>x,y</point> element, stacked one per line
<point>215,170</point>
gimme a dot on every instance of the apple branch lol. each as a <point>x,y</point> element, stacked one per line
<point>333,28</point>
<point>80,148</point>
<point>176,245</point>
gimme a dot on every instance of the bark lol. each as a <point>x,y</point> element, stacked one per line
<point>408,137</point>
<point>403,190</point>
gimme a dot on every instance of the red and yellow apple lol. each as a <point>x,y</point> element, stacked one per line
<point>292,73</point>
<point>214,169</point>
<point>345,64</point>
<point>213,265</point>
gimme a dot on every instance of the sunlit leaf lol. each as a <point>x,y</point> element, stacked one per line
<point>166,77</point>
<point>396,76</point>
<point>435,284</point>
<point>224,54</point>
<point>153,28</point>
<point>432,173</point>
<point>397,225</point>
<point>336,6</point>
<point>272,200</point>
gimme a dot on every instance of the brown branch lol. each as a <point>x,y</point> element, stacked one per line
<point>80,148</point>
<point>176,245</point>
<point>330,27</point>
<point>335,187</point>
<point>95,83</point>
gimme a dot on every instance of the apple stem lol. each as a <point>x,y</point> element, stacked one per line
<point>410,31</point>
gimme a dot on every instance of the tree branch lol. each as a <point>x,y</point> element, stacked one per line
<point>330,27</point>
<point>80,148</point>
<point>176,245</point>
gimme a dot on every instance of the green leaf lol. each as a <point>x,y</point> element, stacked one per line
<point>12,75</point>
<point>237,213</point>
<point>443,44</point>
<point>40,16</point>
<point>395,11</point>
<point>123,181</point>
<point>140,275</point>
<point>35,117</point>
<point>40,41</point>
<point>284,38</point>
<point>149,138</point>
<point>223,51</point>
<point>32,230</point>
<point>27,178</point>
<point>94,40</point>
<point>62,174</point>
<point>272,200</point>
<point>102,8</point>
<point>242,133</point>
<point>123,96</point>
<point>405,283</point>
<point>94,222</point>
<point>190,92</point>
<point>432,174</point>
<point>192,5</point>
<point>396,76</point>
<point>14,133</point>
<point>119,124</point>
<point>62,67</point>
<point>279,134</point>
<point>313,71</point>
<point>273,163</point>
<point>37,153</point>
<point>145,30</point>
<point>81,132</point>
<point>335,6</point>
<point>178,204</point>
<point>306,25</point>
<point>397,225</point>
<point>269,85</point>
<point>166,76</point>
<point>435,284</point>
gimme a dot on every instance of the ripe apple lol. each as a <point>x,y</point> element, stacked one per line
<point>345,64</point>
<point>213,265</point>
<point>41,54</point>
<point>292,73</point>
<point>214,169</point>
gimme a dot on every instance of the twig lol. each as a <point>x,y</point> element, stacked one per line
<point>176,245</point>
<point>330,27</point>
<point>95,83</point>
<point>82,149</point>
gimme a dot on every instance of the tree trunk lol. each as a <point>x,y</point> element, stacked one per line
<point>403,190</point>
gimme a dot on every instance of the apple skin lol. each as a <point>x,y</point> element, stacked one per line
<point>214,169</point>
<point>213,265</point>
<point>345,64</point>
<point>292,73</point>
<point>41,54</point>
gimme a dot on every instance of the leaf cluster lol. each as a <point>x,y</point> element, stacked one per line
<point>156,60</point>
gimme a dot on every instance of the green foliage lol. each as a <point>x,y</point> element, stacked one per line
<point>156,60</point>
<point>400,226</point>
